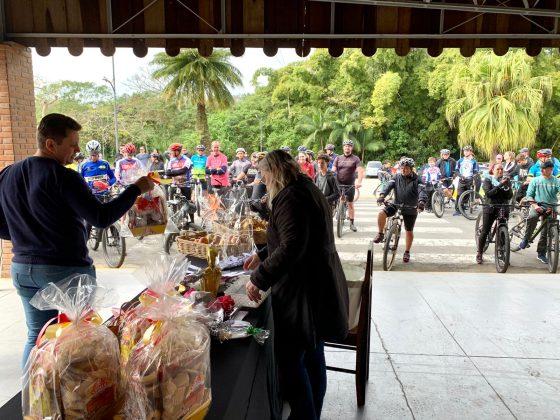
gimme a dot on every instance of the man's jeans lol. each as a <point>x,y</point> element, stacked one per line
<point>28,279</point>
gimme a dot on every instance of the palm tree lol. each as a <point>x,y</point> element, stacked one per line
<point>496,104</point>
<point>318,126</point>
<point>345,127</point>
<point>366,140</point>
<point>200,81</point>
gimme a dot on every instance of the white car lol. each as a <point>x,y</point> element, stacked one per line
<point>372,168</point>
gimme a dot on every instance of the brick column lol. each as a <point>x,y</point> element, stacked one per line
<point>17,117</point>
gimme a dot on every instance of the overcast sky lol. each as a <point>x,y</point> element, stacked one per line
<point>92,66</point>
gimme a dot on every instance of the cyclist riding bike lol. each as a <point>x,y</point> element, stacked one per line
<point>447,165</point>
<point>466,169</point>
<point>498,191</point>
<point>542,195</point>
<point>410,192</point>
<point>345,166</point>
<point>199,166</point>
<point>97,172</point>
<point>128,169</point>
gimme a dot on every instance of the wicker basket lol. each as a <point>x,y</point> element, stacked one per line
<point>258,235</point>
<point>186,245</point>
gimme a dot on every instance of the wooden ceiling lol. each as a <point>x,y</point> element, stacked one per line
<point>273,24</point>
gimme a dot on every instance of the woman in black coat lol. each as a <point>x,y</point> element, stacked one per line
<point>309,291</point>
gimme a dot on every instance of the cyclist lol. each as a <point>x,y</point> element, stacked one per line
<point>345,166</point>
<point>510,167</point>
<point>326,181</point>
<point>430,177</point>
<point>199,167</point>
<point>543,155</point>
<point>524,151</point>
<point>523,167</point>
<point>217,168</point>
<point>542,194</point>
<point>155,163</point>
<point>286,149</point>
<point>311,159</point>
<point>180,168</point>
<point>447,165</point>
<point>331,154</point>
<point>128,169</point>
<point>466,169</point>
<point>410,192</point>
<point>499,158</point>
<point>305,166</point>
<point>238,168</point>
<point>252,172</point>
<point>497,190</point>
<point>97,172</point>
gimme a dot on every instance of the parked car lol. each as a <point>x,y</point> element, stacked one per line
<point>372,168</point>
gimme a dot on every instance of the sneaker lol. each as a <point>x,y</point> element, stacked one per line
<point>479,257</point>
<point>378,238</point>
<point>353,228</point>
<point>406,256</point>
<point>522,245</point>
<point>457,213</point>
<point>542,258</point>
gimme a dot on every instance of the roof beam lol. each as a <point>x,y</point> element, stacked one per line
<point>451,6</point>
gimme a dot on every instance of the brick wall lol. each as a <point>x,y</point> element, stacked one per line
<point>17,117</point>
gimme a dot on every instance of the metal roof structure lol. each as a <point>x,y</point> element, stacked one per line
<point>274,24</point>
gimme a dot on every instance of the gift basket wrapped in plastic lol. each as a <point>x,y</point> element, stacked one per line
<point>73,371</point>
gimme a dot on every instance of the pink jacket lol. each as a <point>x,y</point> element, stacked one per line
<point>219,163</point>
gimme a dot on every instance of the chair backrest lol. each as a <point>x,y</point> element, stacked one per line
<point>365,304</point>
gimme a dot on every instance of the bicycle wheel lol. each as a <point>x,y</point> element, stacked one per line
<point>341,215</point>
<point>377,191</point>
<point>438,204</point>
<point>553,248</point>
<point>470,204</point>
<point>94,239</point>
<point>478,230</point>
<point>517,229</point>
<point>501,249</point>
<point>390,247</point>
<point>114,246</point>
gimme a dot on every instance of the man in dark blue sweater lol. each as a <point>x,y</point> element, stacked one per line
<point>43,210</point>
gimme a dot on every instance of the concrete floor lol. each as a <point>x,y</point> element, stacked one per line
<point>444,346</point>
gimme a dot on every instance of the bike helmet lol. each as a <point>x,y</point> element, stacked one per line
<point>200,147</point>
<point>445,152</point>
<point>93,147</point>
<point>240,149</point>
<point>301,148</point>
<point>468,147</point>
<point>329,146</point>
<point>285,149</point>
<point>406,161</point>
<point>79,156</point>
<point>176,147</point>
<point>544,153</point>
<point>348,142</point>
<point>310,153</point>
<point>129,148</point>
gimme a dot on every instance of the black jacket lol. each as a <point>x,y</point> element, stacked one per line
<point>495,194</point>
<point>301,264</point>
<point>440,163</point>
<point>408,190</point>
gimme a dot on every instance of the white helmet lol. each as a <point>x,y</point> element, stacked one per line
<point>93,147</point>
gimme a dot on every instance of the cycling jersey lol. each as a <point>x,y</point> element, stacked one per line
<point>239,166</point>
<point>466,167</point>
<point>199,166</point>
<point>431,174</point>
<point>535,170</point>
<point>98,171</point>
<point>129,170</point>
<point>345,168</point>
<point>332,157</point>
<point>180,163</point>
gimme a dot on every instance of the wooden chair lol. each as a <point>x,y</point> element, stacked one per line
<point>359,337</point>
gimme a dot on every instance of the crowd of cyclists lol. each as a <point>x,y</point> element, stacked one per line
<point>508,178</point>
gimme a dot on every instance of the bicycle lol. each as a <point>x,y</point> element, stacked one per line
<point>384,178</point>
<point>180,209</point>
<point>198,194</point>
<point>392,234</point>
<point>342,207</point>
<point>499,235</point>
<point>112,243</point>
<point>550,222</point>
<point>439,200</point>
<point>470,202</point>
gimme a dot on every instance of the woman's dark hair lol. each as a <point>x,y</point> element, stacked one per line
<point>56,127</point>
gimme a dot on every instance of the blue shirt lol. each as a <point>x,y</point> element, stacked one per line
<point>535,170</point>
<point>199,166</point>
<point>43,206</point>
<point>331,161</point>
<point>97,171</point>
<point>466,167</point>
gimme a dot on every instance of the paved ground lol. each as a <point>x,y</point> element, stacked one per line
<point>446,343</point>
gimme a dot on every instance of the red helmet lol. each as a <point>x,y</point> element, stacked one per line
<point>543,153</point>
<point>129,148</point>
<point>176,147</point>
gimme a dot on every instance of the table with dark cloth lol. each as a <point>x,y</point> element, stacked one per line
<point>244,378</point>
